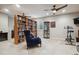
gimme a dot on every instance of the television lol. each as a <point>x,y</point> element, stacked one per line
<point>76,20</point>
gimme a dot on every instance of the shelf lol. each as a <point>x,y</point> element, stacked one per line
<point>22,23</point>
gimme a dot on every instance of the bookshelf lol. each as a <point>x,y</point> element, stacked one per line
<point>32,26</point>
<point>22,23</point>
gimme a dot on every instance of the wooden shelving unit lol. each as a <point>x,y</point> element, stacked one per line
<point>34,29</point>
<point>33,26</point>
<point>22,23</point>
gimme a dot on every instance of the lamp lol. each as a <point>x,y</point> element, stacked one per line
<point>54,11</point>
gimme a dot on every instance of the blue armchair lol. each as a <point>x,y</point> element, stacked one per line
<point>30,40</point>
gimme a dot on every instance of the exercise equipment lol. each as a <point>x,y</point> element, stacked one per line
<point>69,38</point>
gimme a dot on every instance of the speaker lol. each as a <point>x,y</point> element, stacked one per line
<point>76,20</point>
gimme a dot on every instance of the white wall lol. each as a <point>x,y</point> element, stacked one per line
<point>4,22</point>
<point>11,26</point>
<point>61,22</point>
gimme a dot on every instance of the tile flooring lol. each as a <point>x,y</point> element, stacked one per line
<point>49,47</point>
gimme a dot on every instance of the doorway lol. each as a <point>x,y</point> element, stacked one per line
<point>46,30</point>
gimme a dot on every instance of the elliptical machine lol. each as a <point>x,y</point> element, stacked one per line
<point>69,38</point>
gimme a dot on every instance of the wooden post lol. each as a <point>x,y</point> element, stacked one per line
<point>16,37</point>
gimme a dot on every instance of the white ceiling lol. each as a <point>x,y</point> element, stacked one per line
<point>37,10</point>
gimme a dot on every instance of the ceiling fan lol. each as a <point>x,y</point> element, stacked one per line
<point>54,9</point>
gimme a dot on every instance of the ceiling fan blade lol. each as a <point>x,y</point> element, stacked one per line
<point>51,9</point>
<point>47,9</point>
<point>61,7</point>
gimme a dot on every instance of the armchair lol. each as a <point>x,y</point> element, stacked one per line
<point>30,40</point>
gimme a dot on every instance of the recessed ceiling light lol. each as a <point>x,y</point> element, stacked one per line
<point>17,5</point>
<point>6,10</point>
<point>54,11</point>
<point>63,10</point>
<point>47,13</point>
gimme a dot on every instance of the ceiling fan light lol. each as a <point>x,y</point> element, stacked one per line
<point>54,11</point>
<point>63,10</point>
<point>6,10</point>
<point>47,14</point>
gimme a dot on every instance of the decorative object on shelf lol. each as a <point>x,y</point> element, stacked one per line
<point>53,24</point>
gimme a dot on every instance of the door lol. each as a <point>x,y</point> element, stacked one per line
<point>46,30</point>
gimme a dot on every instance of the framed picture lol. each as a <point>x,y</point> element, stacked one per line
<point>53,25</point>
